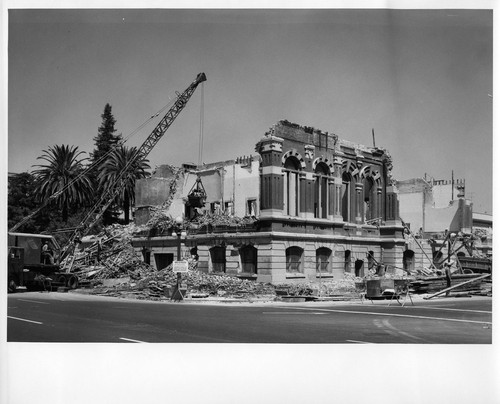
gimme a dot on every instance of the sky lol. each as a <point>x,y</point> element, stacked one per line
<point>422,79</point>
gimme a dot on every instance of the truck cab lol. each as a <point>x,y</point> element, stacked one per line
<point>28,259</point>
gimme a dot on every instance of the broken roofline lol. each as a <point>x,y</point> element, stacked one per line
<point>335,140</point>
<point>219,164</point>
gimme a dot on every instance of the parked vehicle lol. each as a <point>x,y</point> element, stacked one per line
<point>33,263</point>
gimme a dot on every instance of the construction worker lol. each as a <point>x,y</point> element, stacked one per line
<point>447,272</point>
<point>47,254</point>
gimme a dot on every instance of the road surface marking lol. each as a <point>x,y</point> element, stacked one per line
<point>134,340</point>
<point>358,342</point>
<point>444,308</point>
<point>386,323</point>
<point>32,301</point>
<point>23,319</point>
<point>286,312</point>
<point>395,315</point>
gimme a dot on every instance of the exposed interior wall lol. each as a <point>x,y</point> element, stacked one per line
<point>438,220</point>
<point>442,195</point>
<point>242,184</point>
<point>411,209</point>
<point>151,191</point>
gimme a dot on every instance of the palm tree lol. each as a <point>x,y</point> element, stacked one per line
<point>62,179</point>
<point>123,166</point>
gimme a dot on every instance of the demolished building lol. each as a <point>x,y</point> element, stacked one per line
<point>441,225</point>
<point>308,207</point>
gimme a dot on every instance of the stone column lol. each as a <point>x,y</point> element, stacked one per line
<point>271,176</point>
<point>378,206</point>
<point>392,206</point>
<point>358,202</point>
<point>332,194</point>
<point>303,191</point>
<point>337,211</point>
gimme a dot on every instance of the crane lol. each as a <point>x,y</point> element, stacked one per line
<point>107,197</point>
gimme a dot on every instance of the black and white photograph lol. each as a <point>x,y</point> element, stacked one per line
<point>254,204</point>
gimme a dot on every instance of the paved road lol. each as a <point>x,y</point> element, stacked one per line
<point>60,317</point>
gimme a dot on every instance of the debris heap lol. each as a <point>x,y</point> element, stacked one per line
<point>157,285</point>
<point>110,255</point>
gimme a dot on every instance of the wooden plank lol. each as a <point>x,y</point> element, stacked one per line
<point>457,286</point>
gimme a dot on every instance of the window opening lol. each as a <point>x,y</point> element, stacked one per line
<point>359,267</point>
<point>346,197</point>
<point>323,256</point>
<point>291,184</point>
<point>294,259</point>
<point>321,191</point>
<point>218,256</point>
<point>347,261</point>
<point>251,207</point>
<point>248,256</point>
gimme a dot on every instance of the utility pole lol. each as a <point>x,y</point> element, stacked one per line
<point>452,185</point>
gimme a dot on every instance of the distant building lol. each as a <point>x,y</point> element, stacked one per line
<point>432,206</point>
<point>433,210</point>
<point>316,206</point>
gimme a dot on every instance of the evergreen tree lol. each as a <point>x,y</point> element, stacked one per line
<point>105,139</point>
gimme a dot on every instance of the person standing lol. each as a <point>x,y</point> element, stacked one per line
<point>447,272</point>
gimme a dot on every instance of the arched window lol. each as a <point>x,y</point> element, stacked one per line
<point>369,199</point>
<point>323,256</point>
<point>347,261</point>
<point>347,196</point>
<point>359,266</point>
<point>409,260</point>
<point>371,260</point>
<point>294,260</point>
<point>321,191</point>
<point>218,257</point>
<point>248,255</point>
<point>291,184</point>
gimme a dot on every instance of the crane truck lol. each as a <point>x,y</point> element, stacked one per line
<point>29,266</point>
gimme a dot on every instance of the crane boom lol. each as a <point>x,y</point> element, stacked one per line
<point>94,215</point>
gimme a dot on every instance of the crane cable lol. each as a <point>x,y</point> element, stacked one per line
<point>202,121</point>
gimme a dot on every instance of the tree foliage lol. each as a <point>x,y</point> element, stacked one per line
<point>123,165</point>
<point>62,180</point>
<point>21,201</point>
<point>106,139</point>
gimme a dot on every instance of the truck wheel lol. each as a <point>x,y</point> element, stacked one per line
<point>73,282</point>
<point>12,286</point>
<point>62,279</point>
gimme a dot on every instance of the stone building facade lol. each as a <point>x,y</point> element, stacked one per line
<point>321,206</point>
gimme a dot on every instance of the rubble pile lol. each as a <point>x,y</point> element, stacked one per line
<point>338,287</point>
<point>157,285</point>
<point>110,255</point>
<point>222,219</point>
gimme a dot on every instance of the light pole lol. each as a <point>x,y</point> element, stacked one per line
<point>177,295</point>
